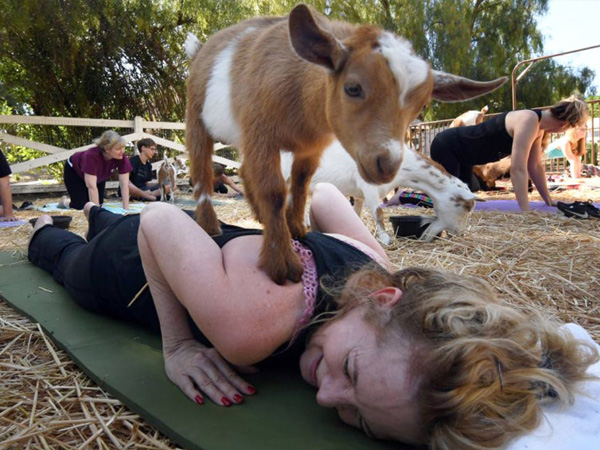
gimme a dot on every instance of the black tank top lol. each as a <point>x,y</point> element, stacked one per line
<point>117,273</point>
<point>482,143</point>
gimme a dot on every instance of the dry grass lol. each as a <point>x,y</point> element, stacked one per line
<point>534,260</point>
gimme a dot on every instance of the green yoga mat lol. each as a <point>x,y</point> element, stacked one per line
<point>126,361</point>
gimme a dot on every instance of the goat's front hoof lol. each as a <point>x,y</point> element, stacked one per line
<point>279,269</point>
<point>297,230</point>
<point>207,219</point>
<point>385,238</point>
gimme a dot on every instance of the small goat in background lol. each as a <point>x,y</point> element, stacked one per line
<point>469,118</point>
<point>167,177</point>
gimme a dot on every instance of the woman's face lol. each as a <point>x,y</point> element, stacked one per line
<point>366,379</point>
<point>560,126</point>
<point>578,132</point>
<point>115,152</point>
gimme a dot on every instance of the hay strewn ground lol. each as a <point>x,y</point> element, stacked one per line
<point>534,260</point>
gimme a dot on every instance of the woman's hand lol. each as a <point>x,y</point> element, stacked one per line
<point>148,196</point>
<point>197,369</point>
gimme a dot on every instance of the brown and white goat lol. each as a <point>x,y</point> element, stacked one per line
<point>469,118</point>
<point>167,177</point>
<point>296,83</point>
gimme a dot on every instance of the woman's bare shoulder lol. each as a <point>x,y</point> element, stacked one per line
<point>524,121</point>
<point>258,315</point>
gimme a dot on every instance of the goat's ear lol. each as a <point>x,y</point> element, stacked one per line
<point>314,44</point>
<point>452,88</point>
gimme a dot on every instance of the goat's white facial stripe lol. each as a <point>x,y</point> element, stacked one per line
<point>217,113</point>
<point>395,148</point>
<point>409,70</point>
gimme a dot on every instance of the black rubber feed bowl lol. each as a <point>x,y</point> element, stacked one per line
<point>60,221</point>
<point>408,226</point>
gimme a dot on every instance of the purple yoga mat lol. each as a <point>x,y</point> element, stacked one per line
<point>512,205</point>
<point>14,223</point>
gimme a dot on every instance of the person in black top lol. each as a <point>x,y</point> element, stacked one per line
<point>221,181</point>
<point>140,178</point>
<point>516,133</point>
<point>416,355</point>
<point>6,207</point>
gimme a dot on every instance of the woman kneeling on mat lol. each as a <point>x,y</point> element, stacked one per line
<point>515,133</point>
<point>418,355</point>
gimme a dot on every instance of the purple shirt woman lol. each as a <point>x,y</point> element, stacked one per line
<point>86,172</point>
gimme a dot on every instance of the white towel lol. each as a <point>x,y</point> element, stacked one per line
<point>576,428</point>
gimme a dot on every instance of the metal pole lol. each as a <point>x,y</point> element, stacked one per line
<point>534,60</point>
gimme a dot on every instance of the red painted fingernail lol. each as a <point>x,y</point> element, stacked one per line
<point>199,400</point>
<point>238,398</point>
<point>226,401</point>
<point>251,390</point>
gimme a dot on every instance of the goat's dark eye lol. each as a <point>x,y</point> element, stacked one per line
<point>353,90</point>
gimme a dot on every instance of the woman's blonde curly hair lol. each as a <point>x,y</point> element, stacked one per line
<point>484,367</point>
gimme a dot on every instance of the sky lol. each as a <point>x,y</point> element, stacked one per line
<point>569,25</point>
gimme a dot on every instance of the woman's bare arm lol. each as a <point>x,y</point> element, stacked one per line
<point>194,368</point>
<point>331,212</point>
<point>124,184</point>
<point>243,313</point>
<point>92,187</point>
<point>537,172</point>
<point>525,128</point>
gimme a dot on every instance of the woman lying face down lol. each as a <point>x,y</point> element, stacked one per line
<point>419,356</point>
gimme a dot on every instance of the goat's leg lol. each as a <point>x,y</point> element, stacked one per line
<point>303,169</point>
<point>373,201</point>
<point>358,205</point>
<point>200,147</point>
<point>249,193</point>
<point>452,199</point>
<point>172,193</point>
<point>263,178</point>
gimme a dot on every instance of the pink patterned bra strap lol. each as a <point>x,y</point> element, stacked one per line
<point>310,283</point>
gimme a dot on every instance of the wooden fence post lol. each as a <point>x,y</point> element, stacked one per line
<point>138,124</point>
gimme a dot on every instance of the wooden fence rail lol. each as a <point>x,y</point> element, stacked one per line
<point>57,154</point>
<point>422,135</point>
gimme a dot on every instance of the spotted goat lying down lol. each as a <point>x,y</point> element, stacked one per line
<point>297,83</point>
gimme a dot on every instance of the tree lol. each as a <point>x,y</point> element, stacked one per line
<point>122,58</point>
<point>479,39</point>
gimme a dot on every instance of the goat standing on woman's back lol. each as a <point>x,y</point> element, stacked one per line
<point>296,83</point>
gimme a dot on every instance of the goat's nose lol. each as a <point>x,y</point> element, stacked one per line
<point>387,166</point>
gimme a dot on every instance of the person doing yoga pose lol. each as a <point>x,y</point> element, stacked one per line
<point>86,172</point>
<point>516,133</point>
<point>417,355</point>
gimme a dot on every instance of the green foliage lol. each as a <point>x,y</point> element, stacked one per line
<point>124,58</point>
